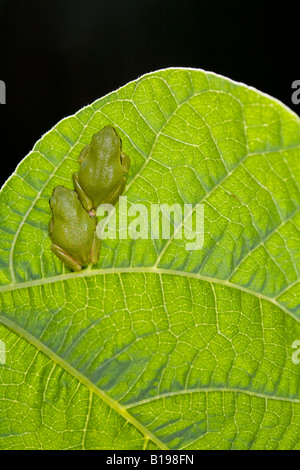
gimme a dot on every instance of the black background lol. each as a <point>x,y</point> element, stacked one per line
<point>60,55</point>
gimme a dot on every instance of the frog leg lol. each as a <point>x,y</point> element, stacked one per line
<point>125,161</point>
<point>50,226</point>
<point>66,258</point>
<point>83,153</point>
<point>95,248</point>
<point>85,201</point>
<point>114,197</point>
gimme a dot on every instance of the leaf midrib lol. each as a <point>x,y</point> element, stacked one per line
<point>211,390</point>
<point>143,270</point>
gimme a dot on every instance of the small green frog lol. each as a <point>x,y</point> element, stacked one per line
<point>72,230</point>
<point>101,177</point>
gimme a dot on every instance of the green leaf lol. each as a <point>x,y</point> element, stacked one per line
<point>157,347</point>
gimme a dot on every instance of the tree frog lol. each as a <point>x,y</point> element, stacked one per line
<point>101,177</point>
<point>72,230</point>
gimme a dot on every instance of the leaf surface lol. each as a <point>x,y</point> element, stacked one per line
<point>157,347</point>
